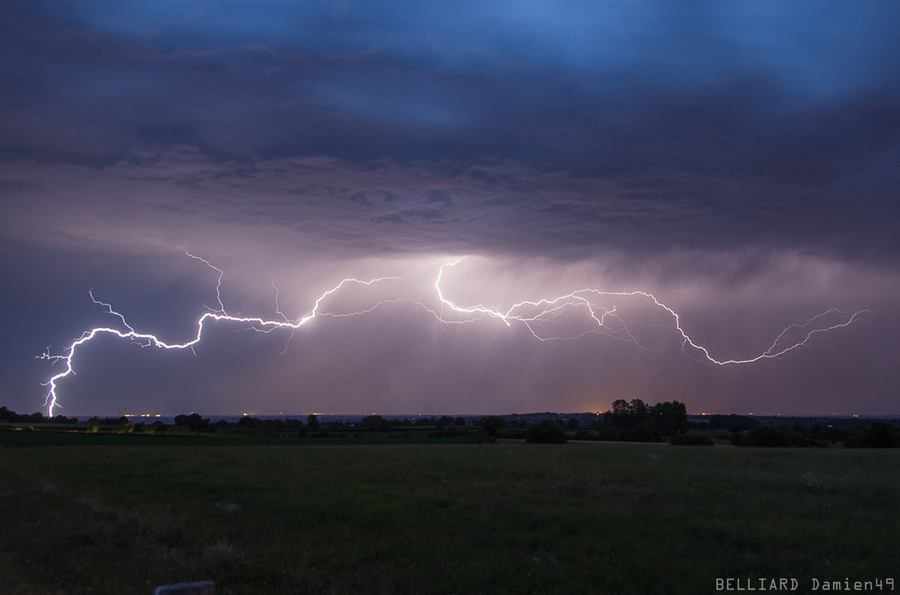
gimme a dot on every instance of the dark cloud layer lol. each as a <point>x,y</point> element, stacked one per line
<point>725,149</point>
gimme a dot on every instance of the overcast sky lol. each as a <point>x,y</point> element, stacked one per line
<point>739,160</point>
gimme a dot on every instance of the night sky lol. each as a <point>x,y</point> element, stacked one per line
<point>738,159</point>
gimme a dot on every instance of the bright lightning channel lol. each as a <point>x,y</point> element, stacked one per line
<point>602,320</point>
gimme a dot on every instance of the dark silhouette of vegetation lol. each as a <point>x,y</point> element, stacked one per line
<point>643,432</point>
<point>691,440</point>
<point>444,421</point>
<point>492,425</point>
<point>638,422</point>
<point>731,423</point>
<point>586,435</point>
<point>633,421</point>
<point>878,435</point>
<point>449,432</point>
<point>374,423</point>
<point>767,436</point>
<point>9,416</point>
<point>194,422</point>
<point>612,434</point>
<point>546,432</point>
<point>829,433</point>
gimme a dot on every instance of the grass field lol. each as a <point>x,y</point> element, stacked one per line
<point>122,514</point>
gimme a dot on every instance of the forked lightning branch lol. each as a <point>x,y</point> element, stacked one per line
<point>591,307</point>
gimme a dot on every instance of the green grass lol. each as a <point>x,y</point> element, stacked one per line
<point>284,516</point>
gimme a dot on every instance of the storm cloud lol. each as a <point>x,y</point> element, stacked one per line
<point>739,160</point>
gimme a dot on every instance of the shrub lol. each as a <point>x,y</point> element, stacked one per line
<point>546,432</point>
<point>374,423</point>
<point>691,440</point>
<point>612,435</point>
<point>448,432</point>
<point>764,436</point>
<point>878,435</point>
<point>493,424</point>
<point>643,433</point>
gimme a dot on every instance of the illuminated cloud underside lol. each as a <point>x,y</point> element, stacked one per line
<point>538,317</point>
<point>736,162</point>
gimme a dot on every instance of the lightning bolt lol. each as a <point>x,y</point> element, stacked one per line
<point>533,315</point>
<point>548,308</point>
<point>148,340</point>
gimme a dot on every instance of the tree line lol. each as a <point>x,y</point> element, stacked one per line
<point>633,421</point>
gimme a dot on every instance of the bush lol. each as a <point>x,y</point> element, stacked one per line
<point>691,440</point>
<point>766,436</point>
<point>492,425</point>
<point>878,435</point>
<point>546,432</point>
<point>448,432</point>
<point>93,424</point>
<point>612,435</point>
<point>643,433</point>
<point>374,423</point>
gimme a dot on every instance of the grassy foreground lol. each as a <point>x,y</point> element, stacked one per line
<point>124,516</point>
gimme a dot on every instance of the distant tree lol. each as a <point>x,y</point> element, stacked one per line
<point>573,423</point>
<point>767,436</point>
<point>546,432</point>
<point>374,423</point>
<point>157,427</point>
<point>93,424</point>
<point>448,432</point>
<point>612,434</point>
<point>294,424</point>
<point>626,415</point>
<point>6,415</point>
<point>643,432</point>
<point>312,422</point>
<point>459,421</point>
<point>248,422</point>
<point>492,425</point>
<point>586,435</point>
<point>732,423</point>
<point>443,422</point>
<point>691,440</point>
<point>669,418</point>
<point>277,425</point>
<point>194,422</point>
<point>619,415</point>
<point>764,436</point>
<point>878,435</point>
<point>833,434</point>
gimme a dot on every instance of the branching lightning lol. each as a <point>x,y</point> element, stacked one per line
<point>535,316</point>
